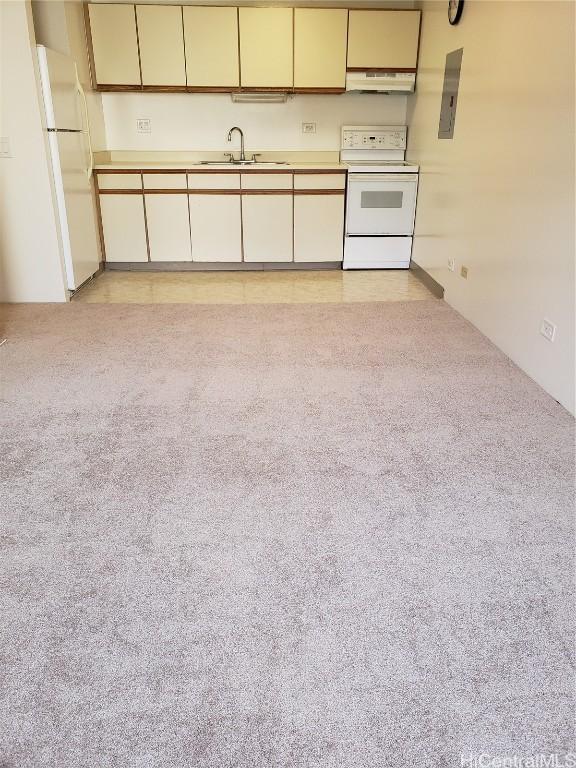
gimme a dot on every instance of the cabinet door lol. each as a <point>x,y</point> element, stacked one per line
<point>124,227</point>
<point>168,227</point>
<point>161,38</point>
<point>320,36</point>
<point>216,227</point>
<point>211,37</point>
<point>114,44</point>
<point>383,39</point>
<point>266,47</point>
<point>318,227</point>
<point>267,227</point>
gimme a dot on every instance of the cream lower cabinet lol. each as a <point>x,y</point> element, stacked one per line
<point>123,227</point>
<point>215,223</point>
<point>267,227</point>
<point>168,227</point>
<point>318,227</point>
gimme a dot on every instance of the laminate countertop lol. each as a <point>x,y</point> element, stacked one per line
<point>191,161</point>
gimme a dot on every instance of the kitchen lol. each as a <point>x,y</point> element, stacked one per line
<point>194,210</point>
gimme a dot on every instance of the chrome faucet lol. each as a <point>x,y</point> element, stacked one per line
<point>230,132</point>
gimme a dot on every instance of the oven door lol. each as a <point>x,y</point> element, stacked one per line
<point>381,203</point>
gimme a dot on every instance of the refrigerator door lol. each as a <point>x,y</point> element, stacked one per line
<point>60,90</point>
<point>75,207</point>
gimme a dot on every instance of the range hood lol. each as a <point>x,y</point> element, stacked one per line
<point>381,82</point>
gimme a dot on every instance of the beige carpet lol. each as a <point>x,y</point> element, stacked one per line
<point>314,536</point>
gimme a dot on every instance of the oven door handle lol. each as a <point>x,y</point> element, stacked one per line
<point>378,178</point>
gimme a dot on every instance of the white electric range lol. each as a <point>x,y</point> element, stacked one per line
<point>381,197</point>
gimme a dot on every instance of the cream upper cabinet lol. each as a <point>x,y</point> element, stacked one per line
<point>161,37</point>
<point>114,44</point>
<point>383,39</point>
<point>211,37</point>
<point>266,47</point>
<point>320,36</point>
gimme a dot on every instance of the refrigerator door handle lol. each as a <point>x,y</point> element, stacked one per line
<point>91,166</point>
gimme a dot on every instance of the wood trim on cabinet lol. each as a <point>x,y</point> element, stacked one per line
<point>146,224</point>
<point>139,63</point>
<point>319,90</point>
<point>211,88</point>
<point>120,192</point>
<point>89,46</point>
<point>239,74</point>
<point>99,216</point>
<point>104,171</point>
<point>221,192</point>
<point>107,87</point>
<point>319,191</point>
<point>213,191</point>
<point>164,88</point>
<point>238,169</point>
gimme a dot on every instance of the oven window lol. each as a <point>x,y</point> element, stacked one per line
<point>381,199</point>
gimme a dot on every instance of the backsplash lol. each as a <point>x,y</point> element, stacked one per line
<point>201,121</point>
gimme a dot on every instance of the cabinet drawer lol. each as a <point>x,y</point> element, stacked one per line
<point>164,180</point>
<point>320,181</point>
<point>119,181</point>
<point>213,181</point>
<point>266,181</point>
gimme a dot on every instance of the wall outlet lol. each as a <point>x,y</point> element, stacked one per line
<point>308,127</point>
<point>5,147</point>
<point>464,272</point>
<point>548,330</point>
<point>143,125</point>
<point>452,265</point>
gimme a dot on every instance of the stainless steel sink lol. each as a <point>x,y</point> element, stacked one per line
<point>231,163</point>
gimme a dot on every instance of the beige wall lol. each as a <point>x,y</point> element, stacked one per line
<point>499,197</point>
<point>31,267</point>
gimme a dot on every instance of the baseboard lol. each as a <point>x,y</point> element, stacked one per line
<point>433,286</point>
<point>214,266</point>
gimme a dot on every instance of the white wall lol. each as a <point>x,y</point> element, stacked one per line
<point>201,121</point>
<point>31,267</point>
<point>499,197</point>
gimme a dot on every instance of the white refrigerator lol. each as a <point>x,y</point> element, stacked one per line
<point>66,120</point>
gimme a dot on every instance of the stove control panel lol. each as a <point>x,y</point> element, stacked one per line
<point>373,137</point>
